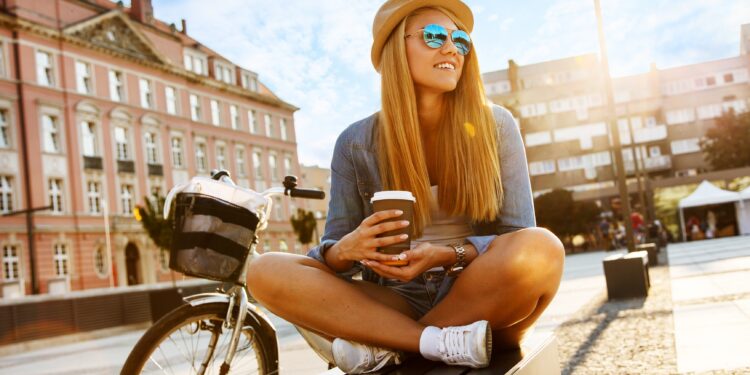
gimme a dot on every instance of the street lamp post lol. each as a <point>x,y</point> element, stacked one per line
<point>614,131</point>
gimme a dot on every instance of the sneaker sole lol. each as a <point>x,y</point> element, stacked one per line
<point>488,340</point>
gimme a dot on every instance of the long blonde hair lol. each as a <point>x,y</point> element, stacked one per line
<point>468,162</point>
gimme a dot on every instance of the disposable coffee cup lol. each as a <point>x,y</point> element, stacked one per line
<point>395,200</point>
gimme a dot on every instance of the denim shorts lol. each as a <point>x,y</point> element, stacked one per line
<point>423,292</point>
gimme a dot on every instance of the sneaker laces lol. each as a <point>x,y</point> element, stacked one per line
<point>453,345</point>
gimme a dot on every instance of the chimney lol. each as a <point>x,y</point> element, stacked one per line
<point>142,11</point>
<point>184,27</point>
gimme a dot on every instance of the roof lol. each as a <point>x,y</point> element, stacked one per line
<point>707,193</point>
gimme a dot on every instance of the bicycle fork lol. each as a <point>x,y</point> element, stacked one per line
<point>236,292</point>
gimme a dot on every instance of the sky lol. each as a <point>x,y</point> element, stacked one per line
<point>315,54</point>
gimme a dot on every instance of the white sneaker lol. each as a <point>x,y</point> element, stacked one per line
<point>356,358</point>
<point>469,345</point>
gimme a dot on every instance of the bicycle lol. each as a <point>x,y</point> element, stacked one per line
<point>191,338</point>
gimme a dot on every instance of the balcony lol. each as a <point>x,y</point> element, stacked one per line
<point>656,163</point>
<point>155,170</point>
<point>125,166</point>
<point>92,162</point>
<point>655,133</point>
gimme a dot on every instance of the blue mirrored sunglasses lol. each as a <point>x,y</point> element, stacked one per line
<point>435,36</point>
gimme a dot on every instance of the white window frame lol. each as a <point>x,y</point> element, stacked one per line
<point>201,157</point>
<point>151,143</point>
<point>55,190</point>
<point>52,133</point>
<point>94,197</point>
<point>195,107</point>
<point>234,116</point>
<point>122,145</point>
<point>273,166</point>
<point>6,194</point>
<point>538,168</point>
<point>178,151</point>
<point>283,129</point>
<point>221,156</point>
<point>100,256</point>
<point>268,122</point>
<point>146,92</point>
<point>288,165</point>
<point>171,99</point>
<point>685,146</point>
<point>11,263</point>
<point>84,77</point>
<point>117,85</point>
<point>45,70</point>
<point>258,165</point>
<point>6,140</point>
<point>241,165</point>
<point>195,62</point>
<point>127,198</point>
<point>215,112</point>
<point>60,259</point>
<point>252,121</point>
<point>89,138</point>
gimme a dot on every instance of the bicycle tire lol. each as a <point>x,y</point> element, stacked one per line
<point>263,345</point>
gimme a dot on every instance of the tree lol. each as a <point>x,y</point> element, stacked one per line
<point>726,144</point>
<point>157,227</point>
<point>558,212</point>
<point>304,224</point>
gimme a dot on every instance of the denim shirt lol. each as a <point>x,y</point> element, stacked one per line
<point>355,177</point>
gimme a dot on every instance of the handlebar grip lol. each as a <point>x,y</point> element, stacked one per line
<point>307,193</point>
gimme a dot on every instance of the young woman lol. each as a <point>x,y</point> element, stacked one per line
<point>477,267</point>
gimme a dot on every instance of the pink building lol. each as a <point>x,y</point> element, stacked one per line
<point>101,105</point>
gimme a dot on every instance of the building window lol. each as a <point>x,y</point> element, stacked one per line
<point>195,63</point>
<point>709,111</point>
<point>51,134</point>
<point>538,138</point>
<point>10,263</point>
<point>56,195</point>
<point>200,157</point>
<point>680,116</point>
<point>253,121</point>
<point>177,153</point>
<point>254,84</point>
<point>60,259</point>
<point>277,208</point>
<point>164,260</point>
<point>171,95</point>
<point>83,78</point>
<point>4,129</point>
<point>283,129</point>
<point>126,198</point>
<point>288,166</point>
<point>267,121</point>
<point>121,141</point>
<point>45,73</point>
<point>234,116</point>
<point>147,95</point>
<point>116,86</point>
<point>93,195</point>
<point>100,263</point>
<point>151,149</point>
<point>221,157</point>
<point>257,165</point>
<point>537,168</point>
<point>195,108</point>
<point>6,194</point>
<point>215,113</point>
<point>710,81</point>
<point>88,131</point>
<point>223,73</point>
<point>240,161</point>
<point>272,167</point>
<point>728,78</point>
<point>283,246</point>
<point>654,151</point>
<point>685,146</point>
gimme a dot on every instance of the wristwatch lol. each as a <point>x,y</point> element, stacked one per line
<point>457,267</point>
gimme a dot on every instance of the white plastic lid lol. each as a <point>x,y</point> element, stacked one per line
<point>393,194</point>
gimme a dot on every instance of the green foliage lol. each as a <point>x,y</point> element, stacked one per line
<point>726,144</point>
<point>558,212</point>
<point>304,223</point>
<point>158,228</point>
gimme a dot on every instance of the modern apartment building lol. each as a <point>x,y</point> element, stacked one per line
<point>661,116</point>
<point>101,105</point>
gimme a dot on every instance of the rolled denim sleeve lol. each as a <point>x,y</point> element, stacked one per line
<point>517,211</point>
<point>345,211</point>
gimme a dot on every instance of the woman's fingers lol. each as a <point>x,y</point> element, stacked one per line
<point>386,241</point>
<point>386,227</point>
<point>380,216</point>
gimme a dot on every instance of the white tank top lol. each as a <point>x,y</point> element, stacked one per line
<point>444,229</point>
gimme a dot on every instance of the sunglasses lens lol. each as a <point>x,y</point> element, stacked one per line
<point>462,41</point>
<point>435,35</point>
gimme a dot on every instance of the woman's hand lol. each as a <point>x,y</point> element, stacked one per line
<point>362,243</point>
<point>421,259</point>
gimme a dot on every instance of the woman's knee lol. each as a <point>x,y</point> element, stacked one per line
<point>529,250</point>
<point>264,270</point>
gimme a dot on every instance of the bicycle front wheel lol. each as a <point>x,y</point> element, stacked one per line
<point>193,340</point>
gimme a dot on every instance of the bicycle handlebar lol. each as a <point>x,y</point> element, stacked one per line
<point>290,186</point>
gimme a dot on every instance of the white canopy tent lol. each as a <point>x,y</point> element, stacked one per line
<point>743,211</point>
<point>706,194</point>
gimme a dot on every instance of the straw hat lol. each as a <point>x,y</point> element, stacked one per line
<point>392,12</point>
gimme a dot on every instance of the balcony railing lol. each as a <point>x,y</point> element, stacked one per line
<point>92,162</point>
<point>125,166</point>
<point>155,170</point>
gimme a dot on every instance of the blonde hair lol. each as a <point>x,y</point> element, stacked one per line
<point>469,166</point>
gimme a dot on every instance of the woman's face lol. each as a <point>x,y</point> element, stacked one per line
<point>424,61</point>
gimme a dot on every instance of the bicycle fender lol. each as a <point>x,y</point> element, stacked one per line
<point>252,311</point>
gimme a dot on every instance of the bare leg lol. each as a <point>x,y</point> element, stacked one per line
<point>305,292</point>
<point>510,286</point>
